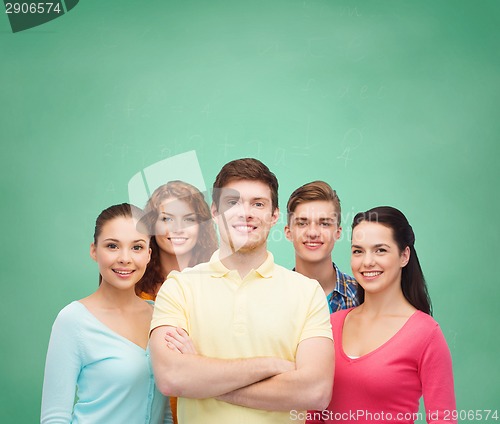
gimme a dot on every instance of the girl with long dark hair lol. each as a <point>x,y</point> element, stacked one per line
<point>389,351</point>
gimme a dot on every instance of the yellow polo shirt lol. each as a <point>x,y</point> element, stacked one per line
<point>267,313</point>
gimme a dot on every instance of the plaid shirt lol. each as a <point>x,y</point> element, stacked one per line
<point>344,293</point>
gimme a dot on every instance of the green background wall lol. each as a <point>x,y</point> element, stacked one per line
<point>392,102</point>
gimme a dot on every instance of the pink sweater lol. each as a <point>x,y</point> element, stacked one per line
<point>385,385</point>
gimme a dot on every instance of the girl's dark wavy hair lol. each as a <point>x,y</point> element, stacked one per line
<point>207,239</point>
<point>412,278</point>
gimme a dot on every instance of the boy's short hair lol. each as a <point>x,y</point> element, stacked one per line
<point>315,190</point>
<point>245,169</point>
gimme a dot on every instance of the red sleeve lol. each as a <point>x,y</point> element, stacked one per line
<point>436,374</point>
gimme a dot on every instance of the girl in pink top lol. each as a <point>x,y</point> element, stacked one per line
<point>389,351</point>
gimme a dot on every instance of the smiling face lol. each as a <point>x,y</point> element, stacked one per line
<point>376,261</point>
<point>121,252</point>
<point>313,230</point>
<point>245,215</point>
<point>177,227</point>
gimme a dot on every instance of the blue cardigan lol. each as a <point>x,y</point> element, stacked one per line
<point>94,375</point>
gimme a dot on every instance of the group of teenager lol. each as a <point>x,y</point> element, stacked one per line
<point>191,328</point>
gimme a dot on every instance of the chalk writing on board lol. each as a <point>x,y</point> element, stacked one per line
<point>110,188</point>
<point>271,48</point>
<point>355,44</point>
<point>108,150</point>
<point>452,339</point>
<point>364,92</point>
<point>352,139</point>
<point>344,90</point>
<point>307,88</point>
<point>305,148</point>
<point>193,138</point>
<point>313,51</point>
<point>349,11</point>
<point>125,148</point>
<point>257,153</point>
<point>165,152</point>
<point>279,157</point>
<point>142,154</point>
<point>226,146</point>
<point>177,108</point>
<point>129,109</point>
<point>206,110</point>
<point>381,92</point>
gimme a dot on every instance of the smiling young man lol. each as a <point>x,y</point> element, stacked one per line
<point>313,213</point>
<point>252,362</point>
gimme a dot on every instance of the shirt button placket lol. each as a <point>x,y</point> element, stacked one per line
<point>239,314</point>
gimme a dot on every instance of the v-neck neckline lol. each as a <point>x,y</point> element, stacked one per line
<point>109,330</point>
<point>377,349</point>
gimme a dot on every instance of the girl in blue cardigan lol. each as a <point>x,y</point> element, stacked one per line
<point>98,368</point>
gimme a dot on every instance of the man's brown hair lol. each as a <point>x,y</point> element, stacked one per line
<point>245,169</point>
<point>316,190</point>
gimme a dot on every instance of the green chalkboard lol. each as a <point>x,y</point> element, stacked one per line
<point>391,102</point>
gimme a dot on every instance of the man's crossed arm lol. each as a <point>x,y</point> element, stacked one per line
<point>261,383</point>
<point>195,376</point>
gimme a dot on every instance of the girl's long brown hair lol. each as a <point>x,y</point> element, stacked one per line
<point>207,239</point>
